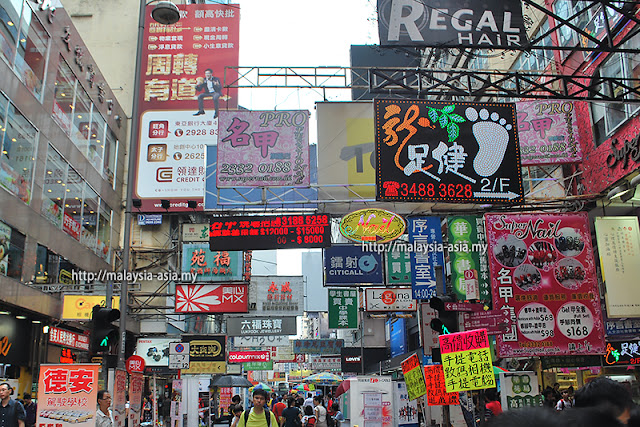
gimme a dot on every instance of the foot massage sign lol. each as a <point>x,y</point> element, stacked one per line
<point>466,361</point>
<point>460,152</point>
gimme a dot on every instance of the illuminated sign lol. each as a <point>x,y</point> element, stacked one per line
<point>249,356</point>
<point>459,152</point>
<point>372,225</point>
<point>270,232</point>
<point>622,353</point>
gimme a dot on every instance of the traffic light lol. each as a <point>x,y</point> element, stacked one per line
<point>103,333</point>
<point>447,321</point>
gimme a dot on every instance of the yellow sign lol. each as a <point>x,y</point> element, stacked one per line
<point>79,307</point>
<point>372,225</point>
<point>205,368</point>
<point>414,377</point>
<point>466,360</point>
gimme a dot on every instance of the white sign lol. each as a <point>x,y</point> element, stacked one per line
<point>179,348</point>
<point>195,232</point>
<point>269,341</point>
<point>389,299</point>
<point>154,351</point>
<point>179,361</point>
<point>322,363</point>
<point>277,295</point>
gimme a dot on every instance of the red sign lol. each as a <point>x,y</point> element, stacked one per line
<point>211,298</point>
<point>249,356</point>
<point>68,339</point>
<point>436,391</point>
<point>463,306</point>
<point>494,321</point>
<point>135,364</point>
<point>71,226</point>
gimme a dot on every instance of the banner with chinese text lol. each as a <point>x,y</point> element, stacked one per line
<point>469,263</point>
<point>119,399</point>
<point>398,267</point>
<point>414,377</point>
<point>212,266</point>
<point>436,389</point>
<point>277,295</point>
<point>543,271</point>
<point>343,308</point>
<point>425,233</point>
<point>466,360</point>
<point>136,383</point>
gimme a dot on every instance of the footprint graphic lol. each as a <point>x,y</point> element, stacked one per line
<point>492,138</point>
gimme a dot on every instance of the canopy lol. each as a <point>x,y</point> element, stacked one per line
<point>343,387</point>
<point>324,378</point>
<point>262,386</point>
<point>230,381</point>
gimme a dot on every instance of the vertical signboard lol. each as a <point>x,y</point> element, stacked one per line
<point>343,308</point>
<point>398,267</point>
<point>181,94</point>
<point>519,390</point>
<point>414,377</point>
<point>436,388</point>
<point>425,233</point>
<point>543,272</point>
<point>119,398</point>
<point>469,257</point>
<point>136,383</point>
<point>618,247</point>
<point>466,360</point>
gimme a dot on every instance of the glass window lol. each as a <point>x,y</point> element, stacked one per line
<point>10,11</point>
<point>11,251</point>
<point>81,120</point>
<point>47,265</point>
<point>31,59</point>
<point>89,218</point>
<point>73,204</point>
<point>110,157</point>
<point>18,151</point>
<point>104,232</point>
<point>65,87</point>
<point>53,190</point>
<point>96,140</point>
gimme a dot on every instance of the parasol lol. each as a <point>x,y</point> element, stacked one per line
<point>324,378</point>
<point>262,386</point>
<point>343,387</point>
<point>230,381</point>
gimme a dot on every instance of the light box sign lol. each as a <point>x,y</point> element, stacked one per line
<point>372,225</point>
<point>212,266</point>
<point>397,267</point>
<point>320,346</point>
<point>195,232</point>
<point>270,232</point>
<point>197,298</point>
<point>466,233</point>
<point>278,295</point>
<point>389,299</point>
<point>622,353</point>
<point>242,326</point>
<point>263,149</point>
<point>543,272</point>
<point>350,264</point>
<point>397,337</point>
<point>78,307</point>
<point>68,338</point>
<point>458,152</point>
<point>249,356</point>
<point>496,24</point>
<point>425,232</point>
<point>206,354</point>
<point>343,308</point>
<point>154,351</point>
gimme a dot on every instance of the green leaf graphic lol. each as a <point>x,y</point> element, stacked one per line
<point>433,115</point>
<point>444,119</point>
<point>457,118</point>
<point>449,109</point>
<point>453,131</point>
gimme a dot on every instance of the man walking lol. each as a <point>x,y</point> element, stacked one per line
<point>104,416</point>
<point>31,409</point>
<point>212,88</point>
<point>258,416</point>
<point>11,411</point>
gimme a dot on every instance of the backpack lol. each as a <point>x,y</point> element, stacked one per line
<point>267,414</point>
<point>330,421</point>
<point>311,421</point>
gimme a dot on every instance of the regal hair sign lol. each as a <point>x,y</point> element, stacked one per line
<point>372,225</point>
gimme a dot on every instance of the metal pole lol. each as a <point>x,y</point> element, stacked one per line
<point>361,337</point>
<point>124,287</point>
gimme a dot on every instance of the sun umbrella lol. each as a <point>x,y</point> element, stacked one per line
<point>324,378</point>
<point>230,381</point>
<point>305,387</point>
<point>262,386</point>
<point>343,387</point>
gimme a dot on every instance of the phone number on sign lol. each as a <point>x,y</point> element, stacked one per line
<point>245,168</point>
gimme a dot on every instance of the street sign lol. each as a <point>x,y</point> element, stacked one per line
<point>463,306</point>
<point>494,321</point>
<point>179,355</point>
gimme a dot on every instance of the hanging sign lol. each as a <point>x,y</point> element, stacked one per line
<point>372,225</point>
<point>436,389</point>
<point>466,359</point>
<point>414,377</point>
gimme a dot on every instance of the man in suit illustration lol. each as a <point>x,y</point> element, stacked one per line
<point>212,88</point>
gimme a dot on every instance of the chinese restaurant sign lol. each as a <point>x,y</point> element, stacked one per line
<point>459,152</point>
<point>343,308</point>
<point>469,266</point>
<point>398,267</point>
<point>543,271</point>
<point>67,395</point>
<point>351,264</point>
<point>212,266</point>
<point>278,295</point>
<point>425,233</point>
<point>436,390</point>
<point>414,377</point>
<point>548,132</point>
<point>239,326</point>
<point>181,94</point>
<point>372,225</point>
<point>466,359</point>
<point>270,232</point>
<point>263,149</point>
<point>321,346</point>
<point>198,298</point>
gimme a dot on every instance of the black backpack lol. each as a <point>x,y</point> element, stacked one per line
<point>266,414</point>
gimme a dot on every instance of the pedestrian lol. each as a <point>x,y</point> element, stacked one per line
<point>259,415</point>
<point>320,412</point>
<point>564,402</point>
<point>235,411</point>
<point>300,402</point>
<point>235,402</point>
<point>31,409</point>
<point>12,412</point>
<point>605,396</point>
<point>278,409</point>
<point>309,400</point>
<point>104,416</point>
<point>549,401</point>
<point>309,419</point>
<point>492,405</point>
<point>338,416</point>
<point>556,392</point>
<point>290,415</point>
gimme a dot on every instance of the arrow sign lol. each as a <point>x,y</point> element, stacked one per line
<point>495,321</point>
<point>463,306</point>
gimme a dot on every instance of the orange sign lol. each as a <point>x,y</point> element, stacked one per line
<point>372,225</point>
<point>436,390</point>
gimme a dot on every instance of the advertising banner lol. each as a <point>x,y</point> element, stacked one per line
<point>622,353</point>
<point>398,267</point>
<point>618,241</point>
<point>263,149</point>
<point>278,295</point>
<point>78,307</point>
<point>212,266</point>
<point>436,389</point>
<point>230,298</point>
<point>543,272</point>
<point>249,356</point>
<point>119,398</point>
<point>181,95</point>
<point>406,411</point>
<point>414,377</point>
<point>136,384</point>
<point>68,338</point>
<point>468,238</point>
<point>519,390</point>
<point>239,326</point>
<point>372,225</point>
<point>321,346</point>
<point>343,308</point>
<point>389,299</point>
<point>426,233</point>
<point>154,351</point>
<point>67,395</point>
<point>207,354</point>
<point>466,360</point>
<point>397,337</point>
<point>350,264</point>
<point>457,152</point>
<point>548,132</point>
<point>195,232</point>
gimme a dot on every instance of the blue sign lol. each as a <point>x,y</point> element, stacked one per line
<point>351,265</point>
<point>425,238</point>
<point>243,197</point>
<point>398,337</point>
<point>148,219</point>
<point>622,326</point>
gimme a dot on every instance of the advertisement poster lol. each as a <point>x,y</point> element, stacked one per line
<point>457,152</point>
<point>397,336</point>
<point>414,377</point>
<point>466,360</point>
<point>79,307</point>
<point>350,264</point>
<point>426,236</point>
<point>548,132</point>
<point>229,298</point>
<point>154,351</point>
<point>263,149</point>
<point>277,295</point>
<point>436,388</point>
<point>618,247</point>
<point>181,96</point>
<point>543,271</point>
<point>519,390</point>
<point>389,299</point>
<point>343,308</point>
<point>119,398</point>
<point>67,395</point>
<point>5,240</point>
<point>468,238</point>
<point>136,384</point>
<point>212,266</point>
<point>207,354</point>
<point>406,411</point>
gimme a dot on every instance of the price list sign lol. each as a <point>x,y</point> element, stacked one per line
<point>270,232</point>
<point>436,389</point>
<point>414,377</point>
<point>466,360</point>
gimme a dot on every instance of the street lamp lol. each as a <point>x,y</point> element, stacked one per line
<point>166,13</point>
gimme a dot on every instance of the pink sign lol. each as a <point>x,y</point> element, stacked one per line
<point>68,338</point>
<point>463,341</point>
<point>543,272</point>
<point>548,132</point>
<point>263,149</point>
<point>204,298</point>
<point>249,356</point>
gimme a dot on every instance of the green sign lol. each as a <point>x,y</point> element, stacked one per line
<point>398,271</point>
<point>343,308</point>
<point>211,266</point>
<point>469,243</point>
<point>257,366</point>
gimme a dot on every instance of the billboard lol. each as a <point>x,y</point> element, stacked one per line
<point>350,264</point>
<point>198,298</point>
<point>280,325</point>
<point>263,149</point>
<point>458,152</point>
<point>389,299</point>
<point>496,24</point>
<point>181,95</point>
<point>78,307</point>
<point>207,354</point>
<point>543,272</point>
<point>212,266</point>
<point>154,351</point>
<point>278,295</point>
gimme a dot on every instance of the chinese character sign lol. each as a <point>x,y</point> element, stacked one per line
<point>436,390</point>
<point>67,395</point>
<point>198,298</point>
<point>413,377</point>
<point>119,398</point>
<point>351,264</point>
<point>263,149</point>
<point>278,295</point>
<point>343,308</point>
<point>398,267</point>
<point>136,383</point>
<point>459,152</point>
<point>543,272</point>
<point>466,360</point>
<point>425,233</point>
<point>519,390</point>
<point>212,266</point>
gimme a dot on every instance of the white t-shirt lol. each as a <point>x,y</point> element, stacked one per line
<point>322,414</point>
